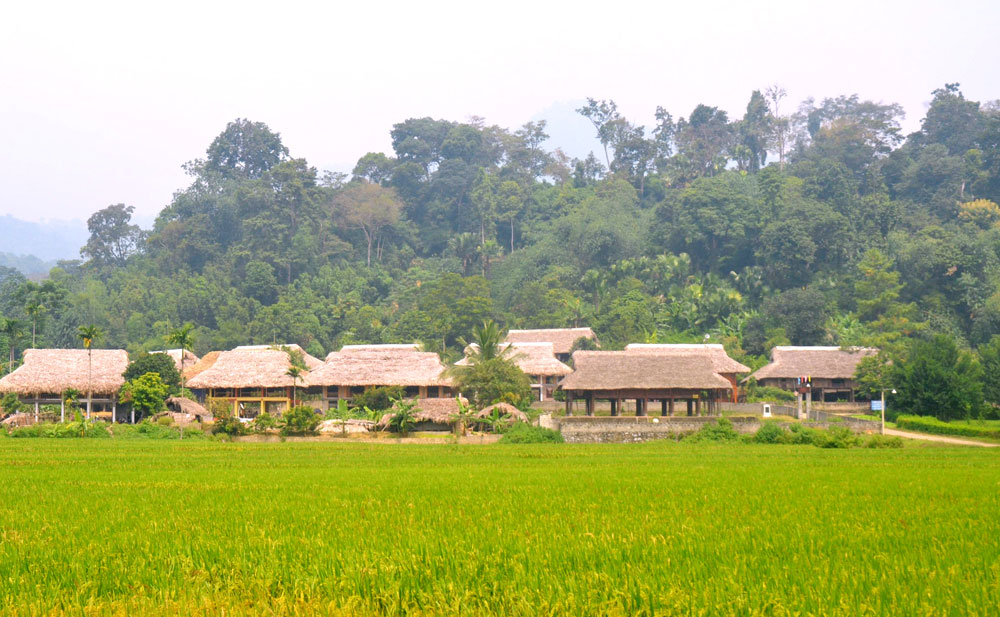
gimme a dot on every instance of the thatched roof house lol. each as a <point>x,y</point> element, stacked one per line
<point>505,410</point>
<point>310,361</point>
<point>206,362</point>
<point>789,362</point>
<point>721,362</point>
<point>537,359</point>
<point>175,354</point>
<point>431,414</point>
<point>562,339</point>
<point>620,375</point>
<point>53,371</point>
<point>828,371</point>
<point>256,368</point>
<point>381,365</point>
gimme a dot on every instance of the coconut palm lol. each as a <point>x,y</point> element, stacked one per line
<point>464,416</point>
<point>295,372</point>
<point>487,342</point>
<point>181,337</point>
<point>89,335</point>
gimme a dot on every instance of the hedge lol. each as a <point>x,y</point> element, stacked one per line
<point>926,424</point>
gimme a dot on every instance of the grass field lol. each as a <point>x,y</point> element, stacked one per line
<point>102,527</point>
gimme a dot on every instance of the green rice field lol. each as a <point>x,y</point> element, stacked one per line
<point>115,527</point>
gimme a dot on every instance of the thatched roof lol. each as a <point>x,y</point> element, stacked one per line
<point>56,370</point>
<point>380,365</point>
<point>817,362</point>
<point>382,347</point>
<point>311,361</point>
<point>264,368</point>
<point>506,410</point>
<point>562,339</point>
<point>433,410</point>
<point>175,354</point>
<point>531,358</point>
<point>186,405</point>
<point>721,362</point>
<point>626,370</point>
<point>206,362</point>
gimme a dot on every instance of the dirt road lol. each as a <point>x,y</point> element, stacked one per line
<point>939,438</point>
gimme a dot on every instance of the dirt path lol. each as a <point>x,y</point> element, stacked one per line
<point>951,440</point>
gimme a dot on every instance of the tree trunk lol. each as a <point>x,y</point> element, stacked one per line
<point>511,234</point>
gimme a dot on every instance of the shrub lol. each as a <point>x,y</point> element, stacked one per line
<point>927,424</point>
<point>228,424</point>
<point>835,437</point>
<point>155,430</point>
<point>299,420</point>
<point>720,430</point>
<point>770,432</point>
<point>522,432</point>
<point>78,429</point>
<point>882,441</point>
<point>403,419</point>
<point>263,423</point>
<point>164,420</point>
<point>378,399</point>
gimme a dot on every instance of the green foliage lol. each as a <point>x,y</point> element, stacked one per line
<point>492,381</point>
<point>522,432</point>
<point>299,420</point>
<point>158,363</point>
<point>10,404</point>
<point>263,423</point>
<point>226,423</point>
<point>938,378</point>
<point>147,393</point>
<point>377,399</point>
<point>931,424</point>
<point>156,430</point>
<point>756,393</point>
<point>989,358</point>
<point>403,416</point>
<point>69,430</point>
<point>770,432</point>
<point>721,430</point>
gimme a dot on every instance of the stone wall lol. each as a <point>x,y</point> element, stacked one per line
<point>626,429</point>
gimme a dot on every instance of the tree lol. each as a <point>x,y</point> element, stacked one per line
<point>403,416</point>
<point>89,334</point>
<point>147,393</point>
<point>184,340</point>
<point>34,310</point>
<point>989,358</point>
<point>510,203</point>
<point>876,292</point>
<point>112,239</point>
<point>494,380</point>
<point>157,363</point>
<point>295,372</point>
<point>13,330</point>
<point>754,132</point>
<point>780,125</point>
<point>245,150</point>
<point>370,208</point>
<point>487,343</point>
<point>937,378</point>
<point>463,417</point>
<point>465,246</point>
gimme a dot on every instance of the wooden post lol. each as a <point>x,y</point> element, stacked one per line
<point>670,407</point>
<point>640,406</point>
<point>88,408</point>
<point>809,401</point>
<point>690,406</point>
<point>62,409</point>
<point>697,406</point>
<point>663,407</point>
<point>590,403</point>
<point>798,403</point>
<point>569,403</point>
<point>541,389</point>
<point>36,409</point>
<point>114,410</point>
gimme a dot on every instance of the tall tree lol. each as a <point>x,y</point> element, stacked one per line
<point>112,239</point>
<point>245,150</point>
<point>13,330</point>
<point>89,335</point>
<point>370,208</point>
<point>184,340</point>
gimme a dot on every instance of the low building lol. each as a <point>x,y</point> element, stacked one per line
<point>250,381</point>
<point>618,376</point>
<point>562,339</point>
<point>721,362</point>
<point>356,368</point>
<point>311,362</point>
<point>47,374</point>
<point>821,373</point>
<point>536,360</point>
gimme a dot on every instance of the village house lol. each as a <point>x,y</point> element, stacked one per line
<point>251,381</point>
<point>47,374</point>
<point>562,339</point>
<point>619,376</point>
<point>536,360</point>
<point>721,362</point>
<point>311,362</point>
<point>176,354</point>
<point>824,374</point>
<point>356,368</point>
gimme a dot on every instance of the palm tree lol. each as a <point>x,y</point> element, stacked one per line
<point>464,416</point>
<point>487,342</point>
<point>295,372</point>
<point>34,310</point>
<point>465,246</point>
<point>89,335</point>
<point>12,329</point>
<point>181,337</point>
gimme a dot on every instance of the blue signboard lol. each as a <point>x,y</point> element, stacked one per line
<point>876,405</point>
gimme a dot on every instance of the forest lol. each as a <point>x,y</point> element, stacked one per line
<point>819,225</point>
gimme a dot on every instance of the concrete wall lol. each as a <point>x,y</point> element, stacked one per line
<point>624,429</point>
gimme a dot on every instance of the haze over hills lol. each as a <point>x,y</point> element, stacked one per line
<point>47,240</point>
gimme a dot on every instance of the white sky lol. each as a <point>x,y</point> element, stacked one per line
<point>101,102</point>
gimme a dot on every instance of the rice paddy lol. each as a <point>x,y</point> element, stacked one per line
<point>115,527</point>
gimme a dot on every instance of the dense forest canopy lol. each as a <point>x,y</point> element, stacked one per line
<point>822,226</point>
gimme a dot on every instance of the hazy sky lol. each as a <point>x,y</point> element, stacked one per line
<point>101,102</point>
